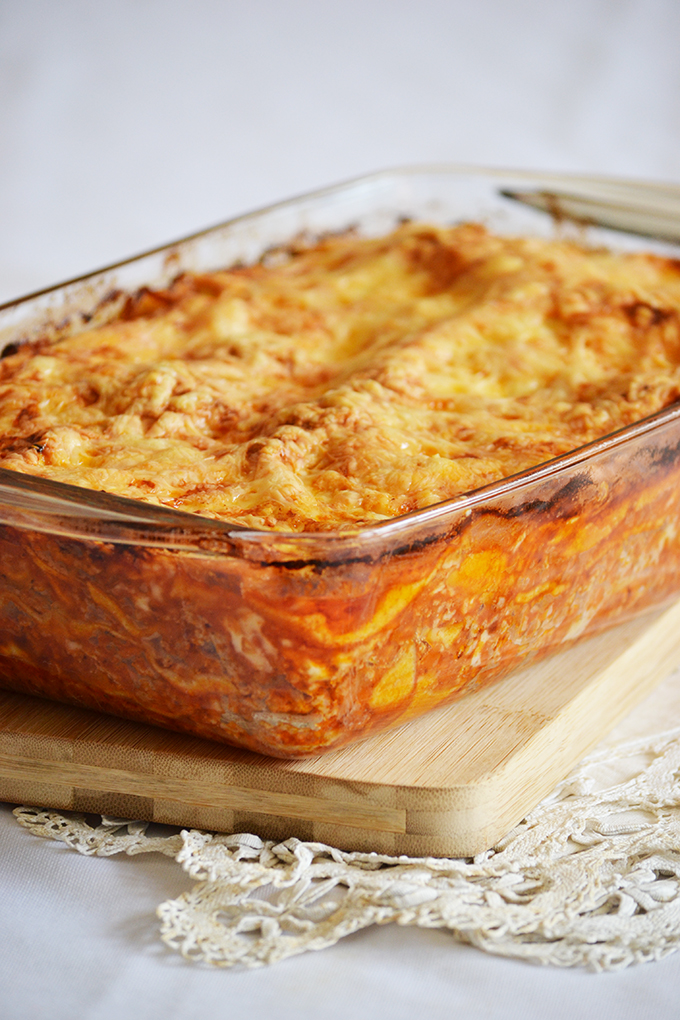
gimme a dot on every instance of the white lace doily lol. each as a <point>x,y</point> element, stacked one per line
<point>591,877</point>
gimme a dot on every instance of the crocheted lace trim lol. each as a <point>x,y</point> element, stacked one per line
<point>591,877</point>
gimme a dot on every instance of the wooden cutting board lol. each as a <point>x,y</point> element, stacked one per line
<point>448,784</point>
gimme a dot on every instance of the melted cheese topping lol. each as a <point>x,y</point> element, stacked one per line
<point>351,381</point>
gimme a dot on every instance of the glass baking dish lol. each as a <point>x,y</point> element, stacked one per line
<point>290,644</point>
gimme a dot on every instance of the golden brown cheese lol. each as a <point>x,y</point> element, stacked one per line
<point>352,381</point>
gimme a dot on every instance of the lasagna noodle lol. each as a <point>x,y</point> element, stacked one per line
<point>349,381</point>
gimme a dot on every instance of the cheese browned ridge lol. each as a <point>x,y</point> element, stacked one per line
<point>350,381</point>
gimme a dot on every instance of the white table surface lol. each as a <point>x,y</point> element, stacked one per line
<point>126,124</point>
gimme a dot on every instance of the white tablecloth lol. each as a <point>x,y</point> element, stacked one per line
<point>80,940</point>
<point>126,124</point>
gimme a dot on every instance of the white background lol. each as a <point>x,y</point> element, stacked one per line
<point>127,124</point>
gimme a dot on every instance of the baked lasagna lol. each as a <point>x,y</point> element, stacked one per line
<point>336,385</point>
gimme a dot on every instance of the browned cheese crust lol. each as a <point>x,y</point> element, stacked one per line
<point>352,380</point>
